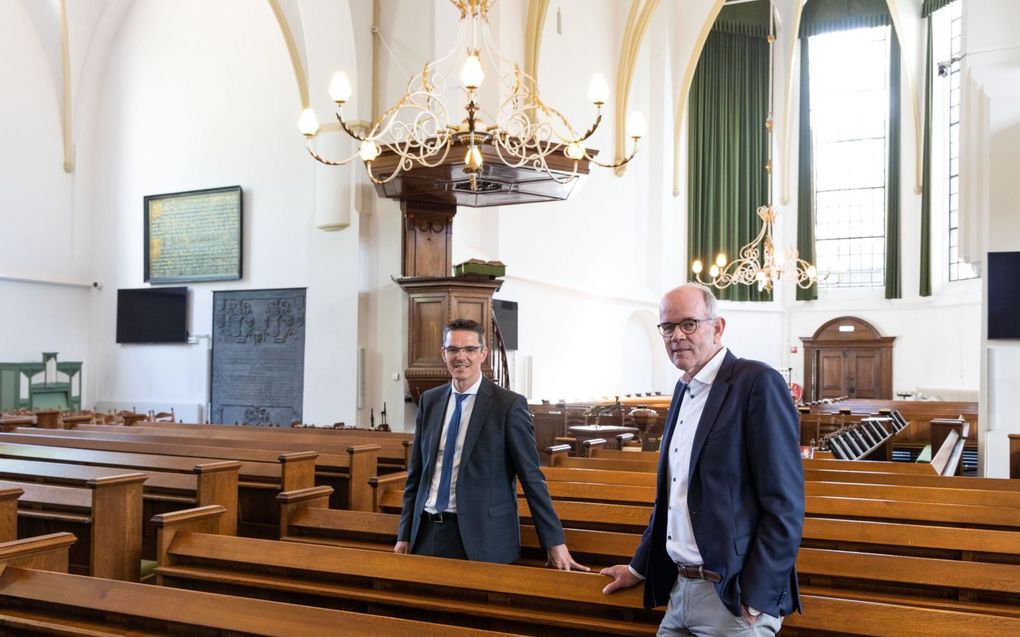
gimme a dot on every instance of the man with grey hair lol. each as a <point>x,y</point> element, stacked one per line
<point>722,540</point>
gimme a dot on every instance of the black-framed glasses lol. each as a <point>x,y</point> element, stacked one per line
<point>687,326</point>
<point>469,350</point>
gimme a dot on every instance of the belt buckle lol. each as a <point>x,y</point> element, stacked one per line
<point>436,518</point>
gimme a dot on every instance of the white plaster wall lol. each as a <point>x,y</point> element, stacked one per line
<point>37,212</point>
<point>216,105</point>
<point>992,47</point>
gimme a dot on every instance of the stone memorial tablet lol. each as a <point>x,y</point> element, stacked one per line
<point>258,356</point>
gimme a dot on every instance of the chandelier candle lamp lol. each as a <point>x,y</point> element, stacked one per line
<point>478,151</point>
<point>758,263</point>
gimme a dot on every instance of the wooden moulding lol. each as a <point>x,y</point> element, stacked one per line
<point>9,513</point>
<point>44,552</point>
<point>291,501</point>
<point>217,484</point>
<point>198,520</point>
<point>298,470</point>
<point>116,551</point>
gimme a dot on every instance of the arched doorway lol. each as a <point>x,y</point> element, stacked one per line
<point>847,357</point>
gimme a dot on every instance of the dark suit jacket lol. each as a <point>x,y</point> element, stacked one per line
<point>499,448</point>
<point>746,493</point>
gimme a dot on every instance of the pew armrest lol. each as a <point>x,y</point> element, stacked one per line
<point>199,520</point>
<point>45,552</point>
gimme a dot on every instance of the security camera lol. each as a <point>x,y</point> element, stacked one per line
<point>943,68</point>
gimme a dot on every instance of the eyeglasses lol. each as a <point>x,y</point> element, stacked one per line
<point>469,350</point>
<point>687,326</point>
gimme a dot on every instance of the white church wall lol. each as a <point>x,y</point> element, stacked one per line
<point>47,300</point>
<point>190,113</point>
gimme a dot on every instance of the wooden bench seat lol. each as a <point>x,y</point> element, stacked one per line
<point>305,518</point>
<point>423,587</point>
<point>259,482</point>
<point>38,597</point>
<point>475,594</point>
<point>347,472</point>
<point>393,448</point>
<point>211,483</point>
<point>105,516</point>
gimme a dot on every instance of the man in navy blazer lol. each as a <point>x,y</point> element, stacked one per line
<point>722,540</point>
<point>482,435</point>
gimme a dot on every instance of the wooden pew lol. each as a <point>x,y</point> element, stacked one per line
<point>1014,455</point>
<point>393,447</point>
<point>105,515</point>
<point>948,460</point>
<point>212,483</point>
<point>9,513</point>
<point>556,603</point>
<point>347,473</point>
<point>38,597</point>
<point>304,517</point>
<point>474,594</point>
<point>259,481</point>
<point>45,552</point>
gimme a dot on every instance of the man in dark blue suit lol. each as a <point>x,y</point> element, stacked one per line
<point>472,441</point>
<point>722,540</point>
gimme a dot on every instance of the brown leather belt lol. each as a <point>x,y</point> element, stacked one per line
<point>697,571</point>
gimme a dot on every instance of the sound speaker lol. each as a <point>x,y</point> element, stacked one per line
<point>506,319</point>
<point>1003,294</point>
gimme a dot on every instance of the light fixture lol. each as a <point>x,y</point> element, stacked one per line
<point>418,132</point>
<point>758,263</point>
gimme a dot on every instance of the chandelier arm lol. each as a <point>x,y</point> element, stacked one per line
<point>347,129</point>
<point>615,164</point>
<point>328,162</point>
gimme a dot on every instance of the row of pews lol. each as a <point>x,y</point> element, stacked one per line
<point>889,548</point>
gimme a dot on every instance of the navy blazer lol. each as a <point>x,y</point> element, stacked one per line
<point>499,447</point>
<point>746,495</point>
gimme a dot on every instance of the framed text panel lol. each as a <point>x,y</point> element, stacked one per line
<point>193,236</point>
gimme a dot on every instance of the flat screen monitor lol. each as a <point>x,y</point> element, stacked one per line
<point>1003,295</point>
<point>506,318</point>
<point>152,315</point>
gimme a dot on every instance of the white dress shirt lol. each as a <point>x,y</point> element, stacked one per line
<point>680,543</point>
<point>465,417</point>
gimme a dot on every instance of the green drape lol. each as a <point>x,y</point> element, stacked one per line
<point>925,283</point>
<point>825,16</point>
<point>805,176</point>
<point>892,175</point>
<point>727,151</point>
<point>929,7</point>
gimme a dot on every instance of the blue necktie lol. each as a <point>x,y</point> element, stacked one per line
<point>449,449</point>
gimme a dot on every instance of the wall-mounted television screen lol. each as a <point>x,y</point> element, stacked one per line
<point>152,315</point>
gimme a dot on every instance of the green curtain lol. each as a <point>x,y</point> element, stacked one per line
<point>727,109</point>
<point>925,283</point>
<point>825,16</point>
<point>892,176</point>
<point>805,175</point>
<point>929,7</point>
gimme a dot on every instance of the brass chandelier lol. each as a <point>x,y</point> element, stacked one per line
<point>419,132</point>
<point>758,263</point>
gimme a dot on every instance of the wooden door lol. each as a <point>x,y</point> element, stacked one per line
<point>847,357</point>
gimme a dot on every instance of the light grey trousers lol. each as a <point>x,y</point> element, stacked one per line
<point>695,609</point>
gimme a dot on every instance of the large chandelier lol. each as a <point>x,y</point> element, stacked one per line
<point>418,131</point>
<point>758,263</point>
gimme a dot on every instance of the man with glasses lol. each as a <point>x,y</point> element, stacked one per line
<point>472,441</point>
<point>722,540</point>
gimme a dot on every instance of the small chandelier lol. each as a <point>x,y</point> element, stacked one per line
<point>758,262</point>
<point>417,131</point>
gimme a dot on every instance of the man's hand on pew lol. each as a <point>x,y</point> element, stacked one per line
<point>559,558</point>
<point>403,546</point>
<point>622,576</point>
